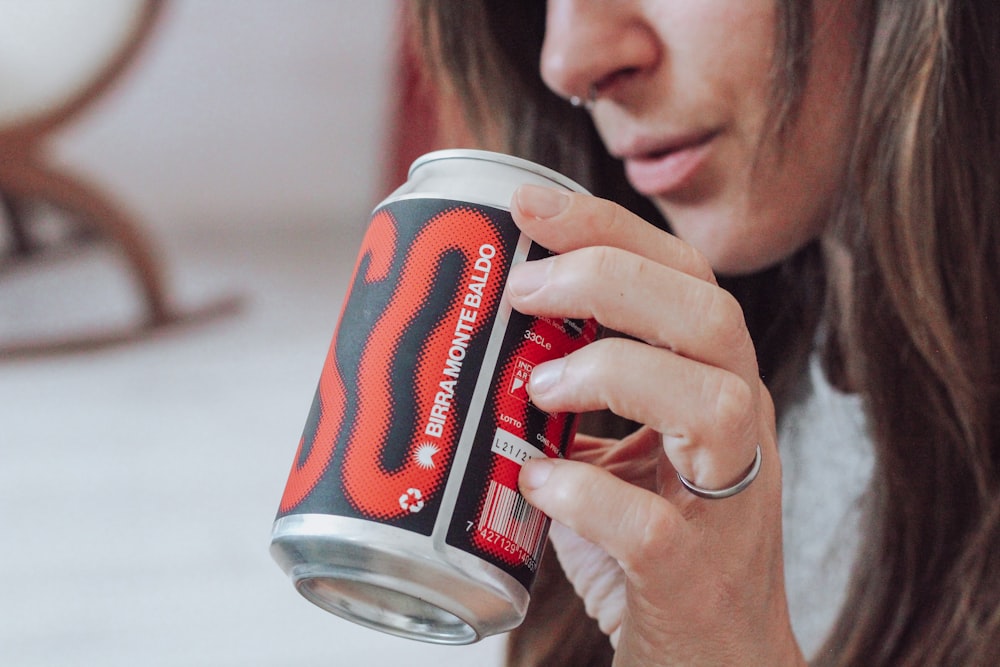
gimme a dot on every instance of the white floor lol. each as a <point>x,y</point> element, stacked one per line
<point>138,483</point>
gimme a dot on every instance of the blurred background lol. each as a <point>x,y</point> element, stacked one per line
<point>238,153</point>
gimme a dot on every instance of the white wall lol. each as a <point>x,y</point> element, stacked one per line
<point>245,112</point>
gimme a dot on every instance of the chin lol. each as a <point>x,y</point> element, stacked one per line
<point>739,250</point>
<point>728,255</point>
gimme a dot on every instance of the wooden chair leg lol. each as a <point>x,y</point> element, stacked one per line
<point>14,215</point>
<point>92,209</point>
<point>96,215</point>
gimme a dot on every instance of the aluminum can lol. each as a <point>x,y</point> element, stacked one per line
<point>401,511</point>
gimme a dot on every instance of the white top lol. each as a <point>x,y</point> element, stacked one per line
<point>827,462</point>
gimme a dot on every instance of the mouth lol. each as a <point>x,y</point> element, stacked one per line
<point>667,167</point>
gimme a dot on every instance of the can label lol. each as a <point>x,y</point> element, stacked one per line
<point>491,518</point>
<point>396,390</point>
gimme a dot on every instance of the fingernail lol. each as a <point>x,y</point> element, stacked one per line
<point>540,202</point>
<point>535,473</point>
<point>528,277</point>
<point>546,376</point>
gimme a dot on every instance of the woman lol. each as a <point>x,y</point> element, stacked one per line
<point>834,165</point>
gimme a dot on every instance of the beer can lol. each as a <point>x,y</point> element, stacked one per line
<point>401,511</point>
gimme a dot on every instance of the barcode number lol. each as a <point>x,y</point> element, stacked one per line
<point>511,523</point>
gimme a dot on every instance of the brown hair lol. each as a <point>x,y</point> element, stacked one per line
<point>919,217</point>
<point>923,207</point>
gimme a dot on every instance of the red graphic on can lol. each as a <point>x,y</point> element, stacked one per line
<point>311,462</point>
<point>402,365</point>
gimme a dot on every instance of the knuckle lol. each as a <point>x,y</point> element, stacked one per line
<point>601,356</point>
<point>767,402</point>
<point>723,319</point>
<point>732,405</point>
<point>581,365</point>
<point>560,491</point>
<point>612,347</point>
<point>605,276</point>
<point>604,261</point>
<point>595,373</point>
<point>697,264</point>
<point>582,378</point>
<point>655,528</point>
<point>618,219</point>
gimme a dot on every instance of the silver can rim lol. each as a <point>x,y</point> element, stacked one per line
<point>497,158</point>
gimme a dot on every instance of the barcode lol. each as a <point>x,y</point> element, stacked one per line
<point>509,515</point>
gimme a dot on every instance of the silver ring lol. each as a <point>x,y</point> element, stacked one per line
<point>585,102</point>
<point>727,492</point>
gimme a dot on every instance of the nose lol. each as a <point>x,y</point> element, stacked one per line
<point>595,43</point>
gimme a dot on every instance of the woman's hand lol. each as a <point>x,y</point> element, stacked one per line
<point>672,578</point>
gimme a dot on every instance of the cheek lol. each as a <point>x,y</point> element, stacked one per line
<point>795,187</point>
<point>786,209</point>
<point>812,161</point>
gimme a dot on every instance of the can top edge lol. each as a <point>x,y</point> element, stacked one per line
<point>500,158</point>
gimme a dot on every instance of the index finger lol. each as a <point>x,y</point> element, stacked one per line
<point>563,221</point>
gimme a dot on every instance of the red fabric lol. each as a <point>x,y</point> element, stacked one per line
<point>413,101</point>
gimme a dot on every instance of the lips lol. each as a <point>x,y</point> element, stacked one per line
<point>666,167</point>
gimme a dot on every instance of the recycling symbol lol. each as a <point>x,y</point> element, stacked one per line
<point>412,500</point>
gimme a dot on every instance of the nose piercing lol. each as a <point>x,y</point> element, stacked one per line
<point>585,102</point>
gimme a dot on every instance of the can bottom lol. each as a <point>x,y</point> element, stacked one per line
<point>386,610</point>
<point>396,581</point>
